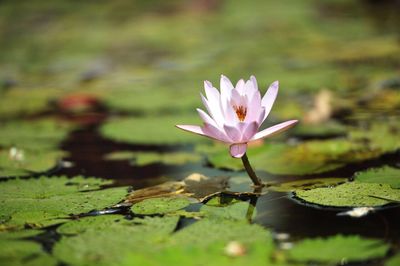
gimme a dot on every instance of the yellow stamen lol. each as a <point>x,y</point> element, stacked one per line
<point>240,112</point>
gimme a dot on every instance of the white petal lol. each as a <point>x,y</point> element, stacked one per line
<point>274,129</point>
<point>269,98</point>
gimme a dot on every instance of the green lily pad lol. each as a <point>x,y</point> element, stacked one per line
<point>151,130</point>
<point>45,201</point>
<point>393,261</point>
<point>384,175</point>
<point>338,249</point>
<point>331,129</point>
<point>351,194</point>
<point>19,234</point>
<point>162,99</point>
<point>81,225</point>
<point>19,252</point>
<point>145,158</point>
<point>37,135</point>
<point>236,211</point>
<point>307,184</point>
<point>30,162</point>
<point>117,239</point>
<point>160,205</point>
<point>20,101</point>
<point>379,137</point>
<point>308,157</point>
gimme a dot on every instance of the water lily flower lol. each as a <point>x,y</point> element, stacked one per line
<point>236,113</point>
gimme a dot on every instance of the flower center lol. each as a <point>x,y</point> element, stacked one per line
<point>241,112</point>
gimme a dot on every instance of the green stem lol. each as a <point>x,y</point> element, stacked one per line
<point>250,171</point>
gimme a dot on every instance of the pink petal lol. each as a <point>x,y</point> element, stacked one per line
<point>206,118</point>
<point>249,131</point>
<point>254,108</point>
<point>249,89</point>
<point>274,129</point>
<point>233,133</point>
<point>254,80</point>
<point>269,98</point>
<point>238,150</point>
<point>215,133</point>
<point>213,110</point>
<point>192,129</point>
<point>240,86</point>
<point>225,86</point>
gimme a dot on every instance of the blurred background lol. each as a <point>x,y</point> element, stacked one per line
<point>134,69</point>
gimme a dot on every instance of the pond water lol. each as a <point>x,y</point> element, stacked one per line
<point>93,171</point>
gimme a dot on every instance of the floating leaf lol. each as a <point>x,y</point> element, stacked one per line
<point>30,162</point>
<point>160,205</point>
<point>150,130</point>
<point>19,234</point>
<point>108,245</point>
<point>236,211</point>
<point>19,252</point>
<point>307,184</point>
<point>308,157</point>
<point>393,261</point>
<point>20,101</point>
<point>37,135</point>
<point>145,158</point>
<point>338,249</point>
<point>137,100</point>
<point>325,130</point>
<point>81,225</point>
<point>351,194</point>
<point>45,201</point>
<point>384,175</point>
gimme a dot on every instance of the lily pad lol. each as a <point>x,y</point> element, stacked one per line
<point>24,101</point>
<point>45,201</point>
<point>385,175</point>
<point>162,99</point>
<point>19,252</point>
<point>27,162</point>
<point>338,249</point>
<point>351,194</point>
<point>145,158</point>
<point>157,130</point>
<point>307,184</point>
<point>37,135</point>
<point>237,211</point>
<point>309,157</point>
<point>327,130</point>
<point>160,205</point>
<point>118,239</point>
<point>393,261</point>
